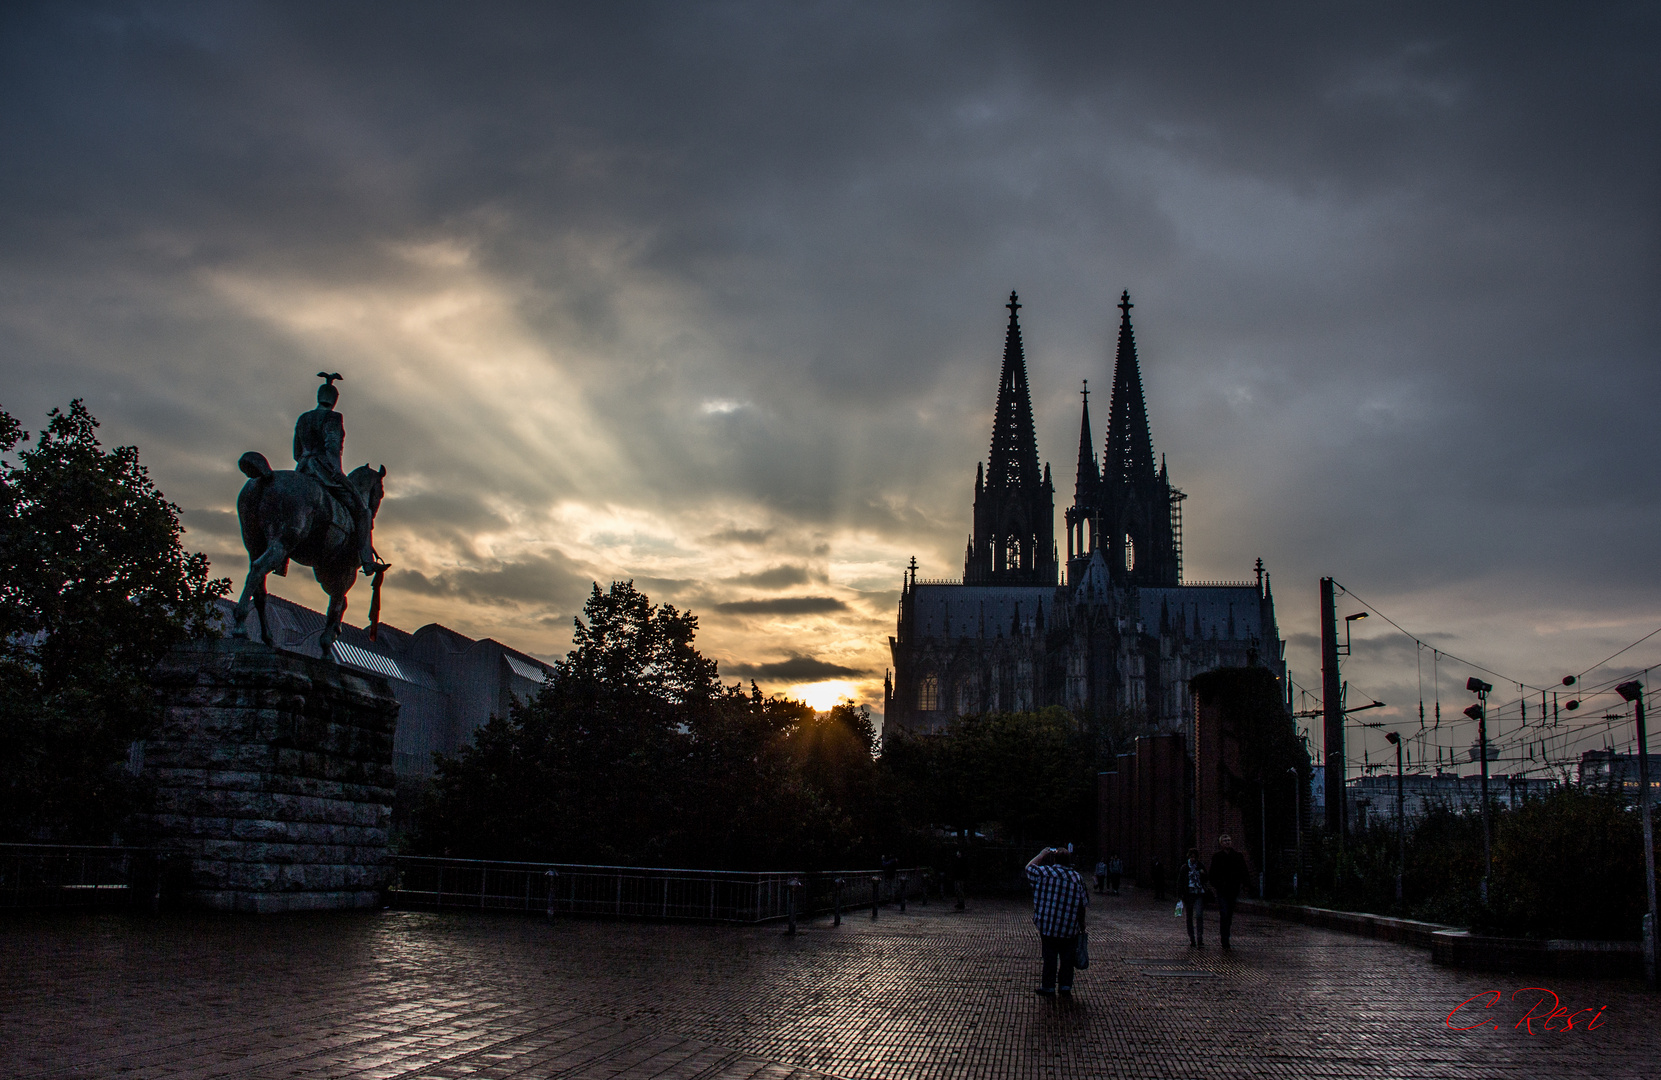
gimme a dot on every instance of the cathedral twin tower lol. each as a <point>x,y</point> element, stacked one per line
<point>1123,506</point>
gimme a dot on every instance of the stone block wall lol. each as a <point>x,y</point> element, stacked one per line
<point>273,775</point>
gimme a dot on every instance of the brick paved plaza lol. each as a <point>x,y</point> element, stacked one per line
<point>931,993</point>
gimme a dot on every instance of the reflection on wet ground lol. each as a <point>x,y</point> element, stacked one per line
<point>932,993</point>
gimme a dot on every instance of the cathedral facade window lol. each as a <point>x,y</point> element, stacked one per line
<point>928,693</point>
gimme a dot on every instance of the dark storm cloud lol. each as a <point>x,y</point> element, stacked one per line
<point>798,669</point>
<point>778,577</point>
<point>783,605</point>
<point>1395,271</point>
<point>538,581</point>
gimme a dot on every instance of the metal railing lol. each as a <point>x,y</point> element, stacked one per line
<point>645,892</point>
<point>73,876</point>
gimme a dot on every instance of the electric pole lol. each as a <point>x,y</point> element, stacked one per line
<point>1332,711</point>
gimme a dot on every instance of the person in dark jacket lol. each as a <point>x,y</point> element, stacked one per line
<point>1191,881</point>
<point>1228,873</point>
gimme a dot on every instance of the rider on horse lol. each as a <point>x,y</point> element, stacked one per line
<point>319,439</point>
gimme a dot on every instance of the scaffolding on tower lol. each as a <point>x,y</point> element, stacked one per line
<point>1177,496</point>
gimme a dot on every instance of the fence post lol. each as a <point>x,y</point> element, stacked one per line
<point>923,893</point>
<point>905,879</point>
<point>790,902</point>
<point>836,899</point>
<point>552,876</point>
<point>876,884</point>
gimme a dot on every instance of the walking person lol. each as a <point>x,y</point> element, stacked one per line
<point>1192,882</point>
<point>960,872</point>
<point>1115,870</point>
<point>1059,899</point>
<point>1228,873</point>
<point>1157,873</point>
<point>1101,877</point>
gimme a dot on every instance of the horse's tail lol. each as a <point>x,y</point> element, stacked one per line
<point>254,466</point>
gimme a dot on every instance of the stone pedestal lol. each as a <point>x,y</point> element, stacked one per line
<point>273,774</point>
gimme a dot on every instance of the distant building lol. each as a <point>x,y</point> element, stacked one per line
<point>1121,634</point>
<point>448,685</point>
<point>1611,771</point>
<point>1375,796</point>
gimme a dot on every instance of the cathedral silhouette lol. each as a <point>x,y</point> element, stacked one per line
<point>1120,634</point>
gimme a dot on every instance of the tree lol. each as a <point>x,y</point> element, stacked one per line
<point>1031,772</point>
<point>95,587</point>
<point>634,752</point>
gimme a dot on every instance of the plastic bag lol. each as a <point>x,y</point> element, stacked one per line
<point>1178,911</point>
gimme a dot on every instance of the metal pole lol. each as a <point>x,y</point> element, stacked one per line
<point>1332,712</point>
<point>1297,826</point>
<point>1401,824</point>
<point>790,903</point>
<point>1482,751</point>
<point>1649,835</point>
<point>905,879</point>
<point>836,899</point>
<point>1263,816</point>
<point>876,883</point>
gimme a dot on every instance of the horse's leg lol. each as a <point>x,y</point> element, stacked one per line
<point>331,626</point>
<point>253,590</point>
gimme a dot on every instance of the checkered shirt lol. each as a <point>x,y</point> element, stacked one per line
<point>1057,895</point>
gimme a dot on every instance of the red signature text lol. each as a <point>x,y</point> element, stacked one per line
<point>1544,1008</point>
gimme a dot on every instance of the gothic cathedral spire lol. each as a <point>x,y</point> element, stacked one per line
<point>1014,456</point>
<point>1127,513</point>
<point>1014,540</point>
<point>1128,457</point>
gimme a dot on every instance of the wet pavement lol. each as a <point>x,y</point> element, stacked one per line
<point>931,993</point>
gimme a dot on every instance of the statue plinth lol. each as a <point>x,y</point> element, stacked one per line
<point>273,774</point>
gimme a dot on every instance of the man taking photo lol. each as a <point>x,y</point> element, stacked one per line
<point>1059,898</point>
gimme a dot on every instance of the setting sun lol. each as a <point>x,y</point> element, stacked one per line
<point>824,695</point>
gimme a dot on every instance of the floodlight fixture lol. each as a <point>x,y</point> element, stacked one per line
<point>1357,615</point>
<point>1630,691</point>
<point>1477,686</point>
<point>1474,712</point>
<point>1392,738</point>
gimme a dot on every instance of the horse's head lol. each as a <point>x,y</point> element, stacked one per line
<point>370,485</point>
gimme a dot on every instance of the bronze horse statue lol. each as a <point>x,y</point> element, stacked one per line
<point>287,515</point>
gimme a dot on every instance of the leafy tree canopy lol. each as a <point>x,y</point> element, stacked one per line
<point>635,753</point>
<point>95,587</point>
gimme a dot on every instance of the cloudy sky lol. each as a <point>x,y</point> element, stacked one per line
<point>710,295</point>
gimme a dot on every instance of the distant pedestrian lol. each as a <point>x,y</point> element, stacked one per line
<point>1059,899</point>
<point>1192,882</point>
<point>1228,873</point>
<point>1101,877</point>
<point>1156,871</point>
<point>1115,870</point>
<point>960,873</point>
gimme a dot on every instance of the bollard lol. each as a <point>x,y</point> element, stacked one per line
<point>905,879</point>
<point>836,899</point>
<point>790,888</point>
<point>923,893</point>
<point>876,884</point>
<point>551,875</point>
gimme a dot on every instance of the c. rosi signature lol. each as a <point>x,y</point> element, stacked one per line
<point>1538,1012</point>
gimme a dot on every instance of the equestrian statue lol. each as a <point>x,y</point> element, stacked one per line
<point>315,515</point>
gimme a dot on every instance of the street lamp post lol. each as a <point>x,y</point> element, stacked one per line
<point>1297,826</point>
<point>1634,692</point>
<point>1479,713</point>
<point>1401,816</point>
